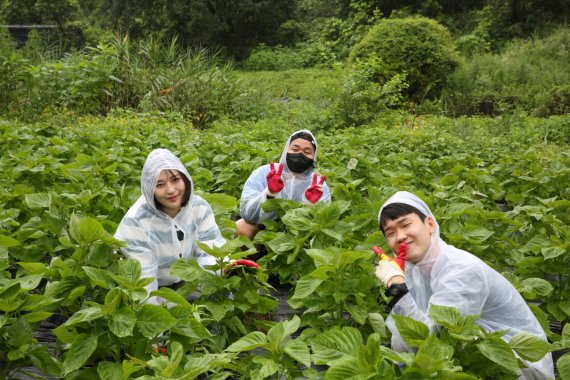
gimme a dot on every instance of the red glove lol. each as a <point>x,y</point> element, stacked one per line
<point>388,267</point>
<point>274,181</point>
<point>315,191</point>
<point>400,255</point>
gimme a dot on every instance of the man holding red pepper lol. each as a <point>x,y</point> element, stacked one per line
<point>428,271</point>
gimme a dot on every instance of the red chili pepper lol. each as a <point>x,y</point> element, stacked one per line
<point>247,263</point>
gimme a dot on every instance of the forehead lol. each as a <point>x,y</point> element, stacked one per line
<point>167,173</point>
<point>301,144</point>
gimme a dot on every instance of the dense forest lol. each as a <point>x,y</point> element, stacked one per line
<point>237,27</point>
<point>454,58</point>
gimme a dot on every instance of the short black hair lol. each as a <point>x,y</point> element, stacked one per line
<point>305,136</point>
<point>396,210</point>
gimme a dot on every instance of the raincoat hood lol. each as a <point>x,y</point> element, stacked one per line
<point>284,154</point>
<point>158,160</point>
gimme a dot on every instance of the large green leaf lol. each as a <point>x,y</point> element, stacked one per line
<point>79,352</point>
<point>282,243</point>
<point>346,369</point>
<point>563,364</point>
<point>566,336</point>
<point>19,333</point>
<point>277,333</point>
<point>99,277</point>
<point>529,346</point>
<point>85,315</point>
<point>499,352</point>
<point>336,344</point>
<point>85,230</point>
<point>268,368</point>
<point>412,331</point>
<point>46,363</point>
<point>377,322</point>
<point>538,286</point>
<point>191,328</point>
<point>122,322</point>
<point>476,234</point>
<point>171,296</point>
<point>130,269</point>
<point>38,200</point>
<point>110,371</point>
<point>446,316</point>
<point>113,300</point>
<point>249,342</point>
<point>8,242</point>
<point>298,350</point>
<point>37,316</point>
<point>553,252</point>
<point>536,244</point>
<point>188,271</point>
<point>153,320</point>
<point>565,307</point>
<point>306,286</point>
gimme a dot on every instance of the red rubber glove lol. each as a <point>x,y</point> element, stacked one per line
<point>274,181</point>
<point>400,255</point>
<point>315,191</point>
<point>388,267</point>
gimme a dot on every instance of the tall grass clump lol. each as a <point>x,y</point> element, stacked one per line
<point>149,75</point>
<point>530,75</point>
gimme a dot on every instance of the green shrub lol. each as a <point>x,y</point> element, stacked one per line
<point>530,75</point>
<point>366,93</point>
<point>418,47</point>
<point>280,58</point>
<point>12,73</point>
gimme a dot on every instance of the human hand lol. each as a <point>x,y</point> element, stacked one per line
<point>315,191</point>
<point>389,268</point>
<point>274,181</point>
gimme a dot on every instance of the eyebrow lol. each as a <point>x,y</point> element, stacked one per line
<point>300,147</point>
<point>400,220</point>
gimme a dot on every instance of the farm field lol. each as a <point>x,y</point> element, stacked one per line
<point>499,188</point>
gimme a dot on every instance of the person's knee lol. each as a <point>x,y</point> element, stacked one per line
<point>246,229</point>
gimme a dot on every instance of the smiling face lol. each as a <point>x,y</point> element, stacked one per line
<point>169,192</point>
<point>411,230</point>
<point>302,146</point>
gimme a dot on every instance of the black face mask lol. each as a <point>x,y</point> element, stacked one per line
<point>298,162</point>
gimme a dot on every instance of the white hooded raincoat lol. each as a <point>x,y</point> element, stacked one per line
<point>151,235</point>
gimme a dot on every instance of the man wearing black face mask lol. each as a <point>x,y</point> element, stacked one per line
<point>293,178</point>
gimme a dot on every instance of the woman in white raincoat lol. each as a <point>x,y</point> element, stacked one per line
<point>440,274</point>
<point>293,178</point>
<point>166,221</point>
